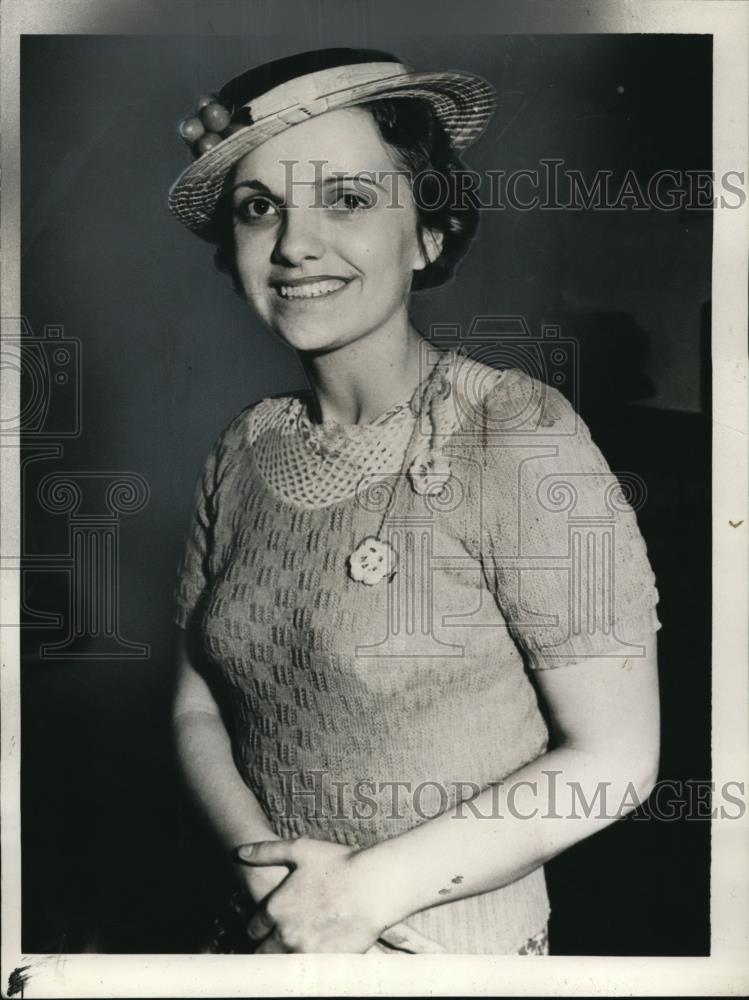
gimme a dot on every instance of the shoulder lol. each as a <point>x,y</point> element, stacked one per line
<point>515,428</point>
<point>246,426</point>
<point>494,403</point>
<point>243,429</point>
<point>521,403</point>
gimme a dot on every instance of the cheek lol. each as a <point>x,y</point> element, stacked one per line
<point>251,262</point>
<point>389,249</point>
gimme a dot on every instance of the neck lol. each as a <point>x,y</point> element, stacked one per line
<point>355,383</point>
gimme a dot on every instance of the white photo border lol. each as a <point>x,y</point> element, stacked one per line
<point>726,970</point>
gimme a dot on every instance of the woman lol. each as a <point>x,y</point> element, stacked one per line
<point>373,575</point>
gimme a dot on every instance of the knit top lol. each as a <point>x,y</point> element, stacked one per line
<point>358,711</point>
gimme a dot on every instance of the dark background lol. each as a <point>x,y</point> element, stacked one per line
<point>113,858</point>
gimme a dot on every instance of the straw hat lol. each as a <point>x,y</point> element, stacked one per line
<point>270,98</point>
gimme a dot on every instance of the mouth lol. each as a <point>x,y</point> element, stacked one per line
<point>306,290</point>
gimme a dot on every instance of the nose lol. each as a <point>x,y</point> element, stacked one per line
<point>300,237</point>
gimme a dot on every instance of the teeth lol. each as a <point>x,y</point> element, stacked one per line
<point>310,291</point>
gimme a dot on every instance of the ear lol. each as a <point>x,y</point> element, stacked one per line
<point>430,248</point>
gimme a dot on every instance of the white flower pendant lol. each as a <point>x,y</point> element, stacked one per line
<point>372,561</point>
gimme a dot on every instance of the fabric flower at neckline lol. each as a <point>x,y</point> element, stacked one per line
<point>429,472</point>
<point>372,561</point>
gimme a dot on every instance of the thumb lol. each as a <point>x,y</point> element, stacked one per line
<point>267,852</point>
<point>405,938</point>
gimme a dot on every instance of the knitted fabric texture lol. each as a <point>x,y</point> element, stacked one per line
<point>356,713</point>
<point>318,465</point>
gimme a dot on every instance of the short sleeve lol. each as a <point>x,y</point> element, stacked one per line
<point>193,572</point>
<point>560,543</point>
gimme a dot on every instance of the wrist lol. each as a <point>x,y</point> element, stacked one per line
<point>388,888</point>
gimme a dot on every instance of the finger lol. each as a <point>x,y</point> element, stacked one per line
<point>379,948</point>
<point>267,852</point>
<point>406,938</point>
<point>239,903</point>
<point>260,925</point>
<point>271,946</point>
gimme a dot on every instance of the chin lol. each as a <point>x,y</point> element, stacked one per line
<point>307,340</point>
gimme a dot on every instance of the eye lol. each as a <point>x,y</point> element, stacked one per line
<point>351,201</point>
<point>256,208</point>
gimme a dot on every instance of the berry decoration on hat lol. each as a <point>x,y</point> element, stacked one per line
<point>191,129</point>
<point>215,117</point>
<point>204,100</point>
<point>206,142</point>
<point>206,128</point>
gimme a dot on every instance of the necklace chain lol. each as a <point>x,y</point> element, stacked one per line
<point>319,436</point>
<point>422,399</point>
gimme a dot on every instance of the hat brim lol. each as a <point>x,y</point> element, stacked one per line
<point>464,104</point>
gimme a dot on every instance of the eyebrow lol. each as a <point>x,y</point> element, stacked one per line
<point>258,185</point>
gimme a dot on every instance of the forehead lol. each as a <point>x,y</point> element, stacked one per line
<point>346,140</point>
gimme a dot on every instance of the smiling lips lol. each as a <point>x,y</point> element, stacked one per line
<point>314,288</point>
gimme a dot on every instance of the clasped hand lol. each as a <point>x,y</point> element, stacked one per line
<point>329,902</point>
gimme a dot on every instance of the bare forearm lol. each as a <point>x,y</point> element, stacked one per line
<point>208,767</point>
<point>507,831</point>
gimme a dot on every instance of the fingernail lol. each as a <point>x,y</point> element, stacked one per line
<point>245,851</point>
